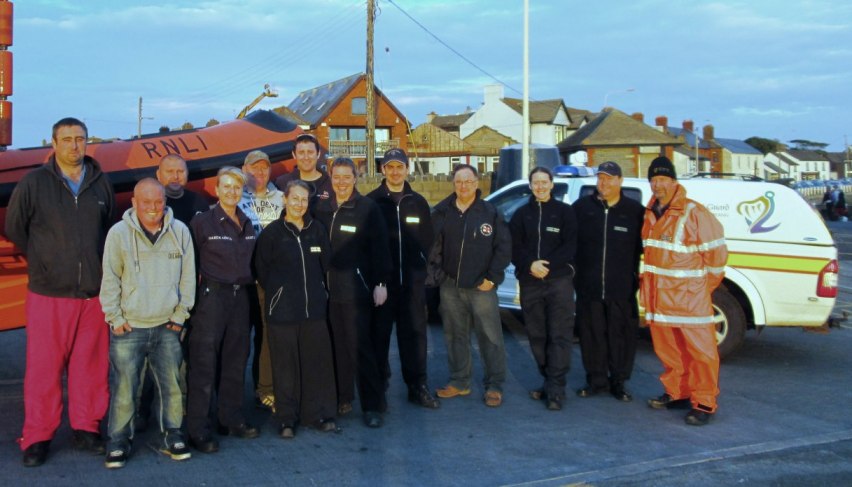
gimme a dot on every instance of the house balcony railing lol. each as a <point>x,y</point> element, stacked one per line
<point>358,148</point>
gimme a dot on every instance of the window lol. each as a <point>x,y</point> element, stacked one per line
<point>347,133</point>
<point>359,106</point>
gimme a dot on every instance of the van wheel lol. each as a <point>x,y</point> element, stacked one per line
<point>730,322</point>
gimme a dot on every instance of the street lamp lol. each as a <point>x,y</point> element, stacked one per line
<point>606,97</point>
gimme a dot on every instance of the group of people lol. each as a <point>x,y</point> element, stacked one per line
<point>834,203</point>
<point>323,273</point>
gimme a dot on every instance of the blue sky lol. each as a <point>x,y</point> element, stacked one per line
<point>778,69</point>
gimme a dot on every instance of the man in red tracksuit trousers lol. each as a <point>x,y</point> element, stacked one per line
<point>59,215</point>
<point>685,256</point>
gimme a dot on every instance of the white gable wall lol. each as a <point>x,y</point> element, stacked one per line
<point>496,115</point>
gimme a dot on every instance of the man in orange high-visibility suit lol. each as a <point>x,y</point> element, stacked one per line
<point>685,255</point>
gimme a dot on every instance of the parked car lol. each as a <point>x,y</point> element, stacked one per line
<point>782,265</point>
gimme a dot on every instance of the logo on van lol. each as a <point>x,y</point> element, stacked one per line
<point>758,211</point>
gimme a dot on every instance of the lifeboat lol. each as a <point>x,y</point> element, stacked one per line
<point>128,161</point>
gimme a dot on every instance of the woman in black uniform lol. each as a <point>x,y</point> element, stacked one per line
<point>291,259</point>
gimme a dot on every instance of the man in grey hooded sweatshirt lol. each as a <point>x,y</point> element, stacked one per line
<point>147,290</point>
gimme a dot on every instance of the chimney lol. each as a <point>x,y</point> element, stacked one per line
<point>688,125</point>
<point>493,93</point>
<point>661,121</point>
<point>638,116</point>
<point>708,132</point>
<point>430,116</point>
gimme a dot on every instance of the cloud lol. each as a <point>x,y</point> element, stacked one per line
<point>246,15</point>
<point>745,111</point>
<point>742,18</point>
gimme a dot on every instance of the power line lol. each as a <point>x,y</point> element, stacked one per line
<point>280,61</point>
<point>462,56</point>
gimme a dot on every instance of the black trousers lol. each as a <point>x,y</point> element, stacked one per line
<point>548,307</point>
<point>218,343</point>
<point>356,358</point>
<point>608,333</point>
<point>302,371</point>
<point>405,306</point>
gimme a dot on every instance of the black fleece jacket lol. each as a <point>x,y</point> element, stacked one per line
<point>409,226</point>
<point>291,266</point>
<point>359,248</point>
<point>61,234</point>
<point>469,247</point>
<point>544,231</point>
<point>609,245</point>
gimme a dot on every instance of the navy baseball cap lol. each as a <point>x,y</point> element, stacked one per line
<point>610,168</point>
<point>395,155</point>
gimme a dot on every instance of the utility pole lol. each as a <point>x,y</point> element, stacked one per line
<point>139,119</point>
<point>370,158</point>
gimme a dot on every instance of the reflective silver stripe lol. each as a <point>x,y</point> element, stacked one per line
<point>688,320</point>
<point>660,271</point>
<point>681,222</point>
<point>683,249</point>
<point>715,270</point>
<point>711,244</point>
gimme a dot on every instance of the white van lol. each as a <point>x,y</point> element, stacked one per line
<point>782,263</point>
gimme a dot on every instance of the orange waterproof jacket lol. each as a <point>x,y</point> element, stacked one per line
<point>685,256</point>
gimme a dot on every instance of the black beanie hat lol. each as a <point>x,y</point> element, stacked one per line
<point>661,166</point>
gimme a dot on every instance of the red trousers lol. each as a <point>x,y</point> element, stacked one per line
<point>691,361</point>
<point>64,334</point>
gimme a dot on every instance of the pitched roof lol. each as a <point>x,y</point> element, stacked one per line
<point>784,157</point>
<point>578,116</point>
<point>689,137</point>
<point>837,157</point>
<point>690,152</point>
<point>487,141</point>
<point>806,155</point>
<point>543,111</point>
<point>290,115</point>
<point>315,104</point>
<point>615,128</point>
<point>737,146</point>
<point>774,168</point>
<point>450,122</point>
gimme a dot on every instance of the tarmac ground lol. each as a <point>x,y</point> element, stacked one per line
<point>784,419</point>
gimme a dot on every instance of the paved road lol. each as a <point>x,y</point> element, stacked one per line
<point>784,419</point>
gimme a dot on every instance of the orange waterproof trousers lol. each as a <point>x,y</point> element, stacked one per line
<point>691,361</point>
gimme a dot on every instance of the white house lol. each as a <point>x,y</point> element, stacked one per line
<point>549,119</point>
<point>780,165</point>
<point>812,165</point>
<point>740,158</point>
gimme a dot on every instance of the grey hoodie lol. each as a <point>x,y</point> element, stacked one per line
<point>147,284</point>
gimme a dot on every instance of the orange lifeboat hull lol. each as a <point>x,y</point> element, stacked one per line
<point>127,161</point>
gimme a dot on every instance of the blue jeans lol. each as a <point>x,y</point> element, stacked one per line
<point>127,354</point>
<point>462,309</point>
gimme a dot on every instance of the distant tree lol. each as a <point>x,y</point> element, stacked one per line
<point>164,129</point>
<point>212,122</point>
<point>804,144</point>
<point>187,126</point>
<point>765,145</point>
